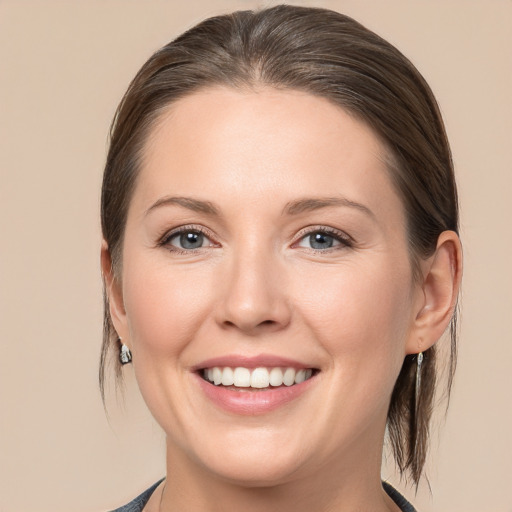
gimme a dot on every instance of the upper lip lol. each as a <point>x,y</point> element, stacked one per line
<point>259,361</point>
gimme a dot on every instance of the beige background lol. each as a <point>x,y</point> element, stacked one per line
<point>63,68</point>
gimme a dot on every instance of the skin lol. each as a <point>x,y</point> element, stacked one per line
<point>257,286</point>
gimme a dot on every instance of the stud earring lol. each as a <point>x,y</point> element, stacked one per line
<point>125,356</point>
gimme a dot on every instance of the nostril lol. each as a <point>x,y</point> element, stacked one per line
<point>251,328</point>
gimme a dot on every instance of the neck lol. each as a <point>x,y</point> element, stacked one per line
<point>342,485</point>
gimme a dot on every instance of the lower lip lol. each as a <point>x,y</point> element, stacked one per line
<point>252,401</point>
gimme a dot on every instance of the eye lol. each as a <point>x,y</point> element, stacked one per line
<point>323,239</point>
<point>186,239</point>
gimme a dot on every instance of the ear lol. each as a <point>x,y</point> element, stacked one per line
<point>114,293</point>
<point>441,276</point>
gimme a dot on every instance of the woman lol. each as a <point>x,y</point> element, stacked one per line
<point>280,258</point>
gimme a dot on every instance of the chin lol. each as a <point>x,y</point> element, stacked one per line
<point>254,473</point>
<point>255,459</point>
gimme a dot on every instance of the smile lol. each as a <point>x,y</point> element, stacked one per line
<point>257,378</point>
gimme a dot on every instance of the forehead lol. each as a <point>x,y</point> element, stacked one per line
<point>258,145</point>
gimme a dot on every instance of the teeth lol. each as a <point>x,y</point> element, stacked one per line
<point>228,378</point>
<point>300,376</point>
<point>276,377</point>
<point>258,378</point>
<point>217,376</point>
<point>242,378</point>
<point>289,377</point>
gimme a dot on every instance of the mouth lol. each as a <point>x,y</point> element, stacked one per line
<point>261,378</point>
<point>254,385</point>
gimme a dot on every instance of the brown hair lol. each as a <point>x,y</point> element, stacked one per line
<point>330,55</point>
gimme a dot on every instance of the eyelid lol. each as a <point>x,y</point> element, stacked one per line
<point>164,239</point>
<point>345,239</point>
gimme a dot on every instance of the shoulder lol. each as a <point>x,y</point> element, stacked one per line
<point>140,501</point>
<point>401,502</point>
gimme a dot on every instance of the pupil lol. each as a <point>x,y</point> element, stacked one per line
<point>191,240</point>
<point>321,241</point>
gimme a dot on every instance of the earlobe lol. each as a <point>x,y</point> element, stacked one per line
<point>440,288</point>
<point>114,292</point>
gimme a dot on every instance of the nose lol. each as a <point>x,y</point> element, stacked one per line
<point>254,299</point>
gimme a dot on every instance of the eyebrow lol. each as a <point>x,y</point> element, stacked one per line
<point>190,203</point>
<point>292,208</point>
<point>311,204</point>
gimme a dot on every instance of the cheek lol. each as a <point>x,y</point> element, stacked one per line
<point>362,317</point>
<point>165,309</point>
<point>165,306</point>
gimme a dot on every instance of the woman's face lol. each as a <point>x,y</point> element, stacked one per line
<point>265,241</point>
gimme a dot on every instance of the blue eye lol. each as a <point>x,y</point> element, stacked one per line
<point>323,240</point>
<point>188,240</point>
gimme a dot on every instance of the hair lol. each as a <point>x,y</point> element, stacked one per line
<point>332,56</point>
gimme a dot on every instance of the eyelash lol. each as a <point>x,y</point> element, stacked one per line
<point>345,241</point>
<point>168,236</point>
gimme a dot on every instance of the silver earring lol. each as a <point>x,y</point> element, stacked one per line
<point>125,356</point>
<point>419,362</point>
